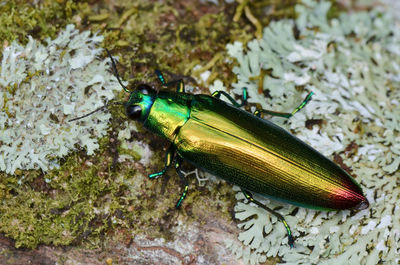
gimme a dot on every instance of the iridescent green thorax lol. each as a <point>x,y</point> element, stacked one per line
<point>168,113</point>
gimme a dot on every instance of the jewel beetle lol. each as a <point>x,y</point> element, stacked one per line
<point>241,148</point>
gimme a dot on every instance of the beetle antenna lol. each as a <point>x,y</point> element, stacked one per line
<point>96,110</point>
<point>114,66</point>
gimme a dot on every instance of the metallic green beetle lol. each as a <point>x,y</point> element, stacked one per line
<point>242,148</point>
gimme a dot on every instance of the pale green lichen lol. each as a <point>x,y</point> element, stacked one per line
<point>352,64</point>
<point>41,88</point>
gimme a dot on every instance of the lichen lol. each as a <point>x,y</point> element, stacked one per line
<point>42,87</point>
<point>352,64</point>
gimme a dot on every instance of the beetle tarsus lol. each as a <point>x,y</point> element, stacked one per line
<point>289,232</point>
<point>160,77</point>
<point>169,157</point>
<point>178,164</point>
<point>179,203</point>
<point>291,241</point>
<point>156,175</point>
<point>305,101</point>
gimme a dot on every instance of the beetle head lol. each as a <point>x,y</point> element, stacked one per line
<point>140,102</point>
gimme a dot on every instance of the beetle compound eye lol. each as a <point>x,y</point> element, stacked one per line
<point>133,112</point>
<point>144,89</point>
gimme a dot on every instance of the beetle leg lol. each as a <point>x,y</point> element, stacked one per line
<point>180,86</point>
<point>218,94</point>
<point>169,157</point>
<point>250,198</point>
<point>178,164</point>
<point>160,77</point>
<point>259,112</point>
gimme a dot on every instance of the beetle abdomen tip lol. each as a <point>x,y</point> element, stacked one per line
<point>363,205</point>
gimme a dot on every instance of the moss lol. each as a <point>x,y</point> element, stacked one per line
<point>41,20</point>
<point>177,39</point>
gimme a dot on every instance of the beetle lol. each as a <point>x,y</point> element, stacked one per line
<point>241,148</point>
